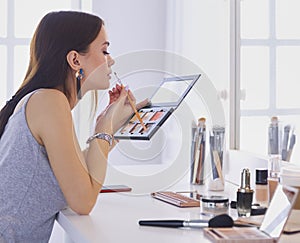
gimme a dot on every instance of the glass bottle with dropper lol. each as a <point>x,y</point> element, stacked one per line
<point>244,195</point>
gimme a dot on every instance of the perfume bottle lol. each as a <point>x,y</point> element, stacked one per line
<point>244,195</point>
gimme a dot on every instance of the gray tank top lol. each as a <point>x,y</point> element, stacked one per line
<point>30,196</point>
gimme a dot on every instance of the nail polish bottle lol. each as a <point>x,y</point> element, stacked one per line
<point>244,195</point>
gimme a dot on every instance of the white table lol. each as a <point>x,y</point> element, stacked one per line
<point>115,219</point>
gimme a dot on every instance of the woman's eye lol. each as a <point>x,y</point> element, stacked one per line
<point>106,53</point>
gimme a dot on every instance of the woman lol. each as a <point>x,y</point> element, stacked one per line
<point>42,169</point>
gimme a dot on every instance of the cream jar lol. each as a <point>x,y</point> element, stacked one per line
<point>214,205</point>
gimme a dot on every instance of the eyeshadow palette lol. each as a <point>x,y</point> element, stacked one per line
<point>153,118</point>
<point>164,101</point>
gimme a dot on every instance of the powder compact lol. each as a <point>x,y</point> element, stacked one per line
<point>167,97</point>
<point>214,204</point>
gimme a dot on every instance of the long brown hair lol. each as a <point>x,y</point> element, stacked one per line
<point>56,35</point>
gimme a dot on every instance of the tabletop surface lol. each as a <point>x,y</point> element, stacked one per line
<point>115,219</point>
<point>115,216</point>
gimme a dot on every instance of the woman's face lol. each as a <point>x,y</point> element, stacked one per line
<point>96,64</point>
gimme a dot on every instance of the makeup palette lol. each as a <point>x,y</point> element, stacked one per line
<point>164,101</point>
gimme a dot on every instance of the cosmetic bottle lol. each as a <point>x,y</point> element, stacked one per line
<point>244,195</point>
<point>274,135</point>
<point>274,141</point>
<point>261,186</point>
<point>273,178</point>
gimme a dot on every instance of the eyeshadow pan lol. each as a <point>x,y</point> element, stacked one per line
<point>148,126</point>
<point>134,118</point>
<point>136,128</point>
<point>148,115</point>
<point>157,115</point>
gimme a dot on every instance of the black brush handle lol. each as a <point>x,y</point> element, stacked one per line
<point>162,223</point>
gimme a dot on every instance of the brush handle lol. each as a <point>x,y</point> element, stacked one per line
<point>136,112</point>
<point>222,220</point>
<point>162,223</point>
<point>132,103</point>
<point>133,106</point>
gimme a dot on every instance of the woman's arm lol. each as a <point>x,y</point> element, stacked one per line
<point>50,121</point>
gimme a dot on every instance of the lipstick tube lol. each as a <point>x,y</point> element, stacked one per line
<point>244,195</point>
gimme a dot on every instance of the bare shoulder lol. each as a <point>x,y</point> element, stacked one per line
<point>48,111</point>
<point>50,97</point>
<point>46,102</point>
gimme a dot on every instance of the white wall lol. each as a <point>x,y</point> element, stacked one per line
<point>196,31</point>
<point>200,32</point>
<point>133,24</point>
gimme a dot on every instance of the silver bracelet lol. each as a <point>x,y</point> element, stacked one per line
<point>104,136</point>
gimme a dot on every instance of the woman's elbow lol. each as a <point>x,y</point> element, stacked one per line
<point>82,207</point>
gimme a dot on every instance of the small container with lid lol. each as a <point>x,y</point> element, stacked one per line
<point>214,205</point>
<point>261,186</point>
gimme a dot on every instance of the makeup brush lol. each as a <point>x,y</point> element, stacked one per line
<point>223,220</point>
<point>132,104</point>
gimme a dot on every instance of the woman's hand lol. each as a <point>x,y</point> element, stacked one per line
<point>115,93</point>
<point>118,111</point>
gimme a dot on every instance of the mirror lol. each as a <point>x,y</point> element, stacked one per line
<point>279,210</point>
<point>177,88</point>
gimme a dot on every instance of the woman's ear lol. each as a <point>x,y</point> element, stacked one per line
<point>73,60</point>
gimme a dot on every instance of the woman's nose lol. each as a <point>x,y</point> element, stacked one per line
<point>111,61</point>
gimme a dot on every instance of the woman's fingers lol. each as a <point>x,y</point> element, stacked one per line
<point>114,93</point>
<point>118,91</point>
<point>118,87</point>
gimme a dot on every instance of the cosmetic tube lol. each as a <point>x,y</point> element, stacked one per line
<point>244,195</point>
